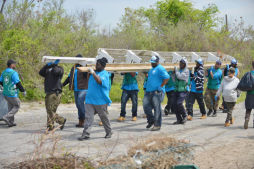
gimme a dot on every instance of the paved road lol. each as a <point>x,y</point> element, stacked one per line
<point>17,143</point>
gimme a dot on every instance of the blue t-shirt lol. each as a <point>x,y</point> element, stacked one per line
<point>14,79</point>
<point>170,86</point>
<point>75,81</point>
<point>155,78</point>
<point>193,86</point>
<point>132,83</point>
<point>98,94</point>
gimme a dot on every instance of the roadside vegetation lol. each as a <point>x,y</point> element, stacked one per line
<point>30,29</point>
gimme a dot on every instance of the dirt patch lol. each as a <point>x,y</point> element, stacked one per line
<point>237,155</point>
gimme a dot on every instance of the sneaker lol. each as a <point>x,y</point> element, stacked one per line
<point>156,128</point>
<point>108,135</point>
<point>134,118</point>
<point>184,120</point>
<point>84,137</point>
<point>62,126</point>
<point>6,121</point>
<point>149,125</point>
<point>166,112</point>
<point>214,114</point>
<point>12,125</point>
<point>209,112</point>
<point>232,121</point>
<point>100,123</point>
<point>121,119</point>
<point>227,124</point>
<point>177,122</point>
<point>189,117</point>
<point>246,124</point>
<point>203,116</point>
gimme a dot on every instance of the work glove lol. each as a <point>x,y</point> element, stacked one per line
<point>90,70</point>
<point>216,98</point>
<point>24,93</point>
<point>160,89</point>
<point>56,61</point>
<point>50,63</point>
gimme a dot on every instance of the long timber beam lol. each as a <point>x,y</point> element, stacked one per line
<point>143,67</point>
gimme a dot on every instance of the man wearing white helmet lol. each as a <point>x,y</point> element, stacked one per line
<point>181,77</point>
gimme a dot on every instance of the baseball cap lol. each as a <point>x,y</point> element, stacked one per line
<point>199,61</point>
<point>154,59</point>
<point>234,61</point>
<point>218,62</point>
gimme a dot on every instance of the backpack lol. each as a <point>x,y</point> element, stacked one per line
<point>247,82</point>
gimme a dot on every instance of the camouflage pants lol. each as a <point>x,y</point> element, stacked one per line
<point>52,101</point>
<point>230,107</point>
<point>210,102</point>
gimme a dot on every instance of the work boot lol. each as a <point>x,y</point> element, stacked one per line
<point>134,118</point>
<point>203,116</point>
<point>80,124</point>
<point>156,128</point>
<point>189,117</point>
<point>227,124</point>
<point>62,126</point>
<point>166,111</point>
<point>246,124</point>
<point>149,125</point>
<point>84,137</point>
<point>232,121</point>
<point>177,122</point>
<point>100,123</point>
<point>6,121</point>
<point>108,135</point>
<point>121,119</point>
<point>209,112</point>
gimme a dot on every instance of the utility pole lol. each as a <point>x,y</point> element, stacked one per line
<point>226,19</point>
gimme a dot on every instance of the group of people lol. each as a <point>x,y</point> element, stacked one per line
<point>92,88</point>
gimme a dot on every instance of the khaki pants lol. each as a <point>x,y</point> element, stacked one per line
<point>52,101</point>
<point>230,108</point>
<point>210,102</point>
<point>13,107</point>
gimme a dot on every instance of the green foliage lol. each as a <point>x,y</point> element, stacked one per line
<point>28,33</point>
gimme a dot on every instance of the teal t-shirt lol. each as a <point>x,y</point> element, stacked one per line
<point>214,83</point>
<point>10,78</point>
<point>130,82</point>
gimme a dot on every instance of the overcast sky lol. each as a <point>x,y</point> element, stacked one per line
<point>108,12</point>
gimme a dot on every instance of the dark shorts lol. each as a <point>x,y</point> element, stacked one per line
<point>249,101</point>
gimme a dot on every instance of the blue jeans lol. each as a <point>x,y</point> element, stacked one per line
<point>80,103</point>
<point>152,100</point>
<point>126,94</point>
<point>178,107</point>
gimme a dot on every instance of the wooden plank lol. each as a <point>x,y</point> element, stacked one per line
<point>141,67</point>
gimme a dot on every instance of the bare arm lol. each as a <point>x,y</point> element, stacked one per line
<point>97,78</point>
<point>165,81</point>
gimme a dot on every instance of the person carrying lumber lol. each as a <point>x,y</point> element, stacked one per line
<point>196,91</point>
<point>170,91</point>
<point>130,90</point>
<point>229,91</point>
<point>11,86</point>
<point>78,81</point>
<point>233,64</point>
<point>214,75</point>
<point>249,102</point>
<point>53,75</point>
<point>97,99</point>
<point>181,77</point>
<point>155,89</point>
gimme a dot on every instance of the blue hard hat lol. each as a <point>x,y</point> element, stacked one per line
<point>154,59</point>
<point>234,61</point>
<point>199,61</point>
